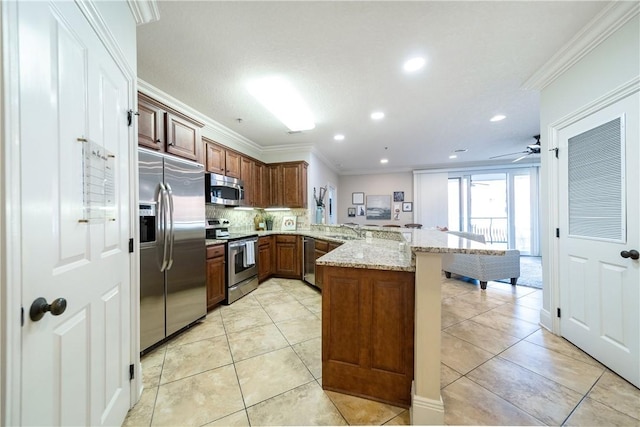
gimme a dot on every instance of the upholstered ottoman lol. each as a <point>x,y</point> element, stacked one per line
<point>482,267</point>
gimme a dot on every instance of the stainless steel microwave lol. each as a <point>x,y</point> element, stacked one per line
<point>223,190</point>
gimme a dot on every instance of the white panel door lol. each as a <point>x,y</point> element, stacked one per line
<point>599,211</point>
<point>75,367</point>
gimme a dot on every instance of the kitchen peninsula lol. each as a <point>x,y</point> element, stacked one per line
<point>381,320</point>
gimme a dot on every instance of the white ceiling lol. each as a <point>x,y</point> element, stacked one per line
<point>345,58</point>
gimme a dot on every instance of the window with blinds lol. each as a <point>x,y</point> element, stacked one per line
<point>596,183</point>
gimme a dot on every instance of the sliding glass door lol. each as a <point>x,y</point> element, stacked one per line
<point>502,205</point>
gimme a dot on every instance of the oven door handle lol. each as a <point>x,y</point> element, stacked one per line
<point>240,244</point>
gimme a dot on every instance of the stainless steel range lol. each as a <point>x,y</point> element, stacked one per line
<point>241,258</point>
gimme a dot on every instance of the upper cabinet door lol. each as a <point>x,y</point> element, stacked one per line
<point>294,184</point>
<point>232,161</point>
<point>150,125</point>
<point>215,157</point>
<point>183,138</point>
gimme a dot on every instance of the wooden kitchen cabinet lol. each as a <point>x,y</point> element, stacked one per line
<point>150,123</point>
<point>288,184</point>
<point>221,160</point>
<point>247,176</point>
<point>367,333</point>
<point>232,160</point>
<point>215,156</point>
<point>216,275</point>
<point>288,256</point>
<point>322,247</point>
<point>183,137</point>
<point>265,257</point>
<point>333,245</point>
<point>261,190</point>
<point>163,129</point>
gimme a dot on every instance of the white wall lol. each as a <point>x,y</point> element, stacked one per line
<point>374,185</point>
<point>432,199</point>
<point>614,62</point>
<point>319,175</point>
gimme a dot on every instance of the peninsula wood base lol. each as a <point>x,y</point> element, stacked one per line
<point>368,333</point>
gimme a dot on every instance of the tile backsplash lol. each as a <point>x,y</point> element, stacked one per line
<point>242,220</point>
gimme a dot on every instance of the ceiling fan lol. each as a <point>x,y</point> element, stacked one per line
<point>531,149</point>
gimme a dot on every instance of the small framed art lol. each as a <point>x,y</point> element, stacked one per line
<point>398,196</point>
<point>289,222</point>
<point>407,207</point>
<point>351,212</point>
<point>357,198</point>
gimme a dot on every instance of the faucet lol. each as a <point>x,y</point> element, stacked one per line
<point>355,227</point>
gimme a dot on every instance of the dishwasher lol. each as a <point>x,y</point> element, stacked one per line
<point>309,264</point>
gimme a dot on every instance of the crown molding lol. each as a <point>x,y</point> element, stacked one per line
<point>224,133</point>
<point>607,22</point>
<point>287,148</point>
<point>144,11</point>
<point>373,171</point>
<point>328,163</point>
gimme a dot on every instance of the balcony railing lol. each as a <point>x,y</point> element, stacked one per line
<point>494,229</point>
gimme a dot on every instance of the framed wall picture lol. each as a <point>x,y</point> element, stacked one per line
<point>357,198</point>
<point>378,207</point>
<point>361,211</point>
<point>351,212</point>
<point>407,207</point>
<point>289,222</point>
<point>398,196</point>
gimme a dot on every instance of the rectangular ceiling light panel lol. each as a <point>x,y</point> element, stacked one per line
<point>283,101</point>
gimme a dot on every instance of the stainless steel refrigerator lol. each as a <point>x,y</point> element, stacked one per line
<point>172,245</point>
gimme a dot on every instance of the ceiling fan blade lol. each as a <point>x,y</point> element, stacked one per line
<point>520,158</point>
<point>510,154</point>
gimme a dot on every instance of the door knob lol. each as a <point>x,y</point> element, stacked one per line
<point>40,307</point>
<point>633,254</point>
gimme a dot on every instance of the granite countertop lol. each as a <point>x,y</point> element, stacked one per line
<point>386,249</point>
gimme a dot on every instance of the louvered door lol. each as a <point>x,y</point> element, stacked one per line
<point>598,189</point>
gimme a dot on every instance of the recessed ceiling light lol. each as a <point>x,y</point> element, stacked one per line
<point>497,118</point>
<point>414,64</point>
<point>377,115</point>
<point>339,137</point>
<point>383,161</point>
<point>283,101</point>
<point>453,156</point>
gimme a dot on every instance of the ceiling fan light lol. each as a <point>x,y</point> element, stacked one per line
<point>283,101</point>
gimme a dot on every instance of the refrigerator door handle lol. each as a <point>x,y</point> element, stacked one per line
<point>162,201</point>
<point>171,224</point>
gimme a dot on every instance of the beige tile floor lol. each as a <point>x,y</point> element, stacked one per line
<point>258,362</point>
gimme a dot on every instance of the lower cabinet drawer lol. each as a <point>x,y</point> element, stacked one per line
<point>214,251</point>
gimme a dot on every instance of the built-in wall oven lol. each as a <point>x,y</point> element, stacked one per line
<point>241,258</point>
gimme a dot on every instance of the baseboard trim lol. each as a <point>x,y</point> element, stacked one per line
<point>426,411</point>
